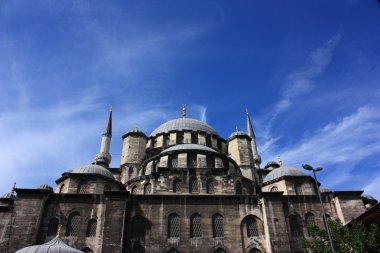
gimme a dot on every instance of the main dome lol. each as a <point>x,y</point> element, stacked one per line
<point>184,124</point>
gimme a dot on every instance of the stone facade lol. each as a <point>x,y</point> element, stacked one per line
<point>182,189</point>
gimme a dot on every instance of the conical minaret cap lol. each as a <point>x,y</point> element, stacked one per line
<point>108,128</point>
<point>249,126</point>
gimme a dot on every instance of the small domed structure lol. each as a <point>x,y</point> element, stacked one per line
<point>93,169</point>
<point>46,187</point>
<point>55,245</point>
<point>324,189</point>
<point>369,200</point>
<point>238,133</point>
<point>282,172</point>
<point>272,165</point>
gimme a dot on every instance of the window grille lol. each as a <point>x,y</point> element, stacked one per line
<point>82,187</point>
<point>298,188</point>
<point>107,187</point>
<point>147,188</point>
<point>53,227</point>
<point>173,226</point>
<point>174,161</point>
<point>294,226</point>
<point>238,189</point>
<point>176,186</point>
<point>274,189</point>
<point>172,251</point>
<point>91,228</point>
<point>310,219</point>
<point>217,226</point>
<point>220,251</point>
<point>193,185</point>
<point>210,186</point>
<point>251,225</point>
<point>73,222</point>
<point>195,226</point>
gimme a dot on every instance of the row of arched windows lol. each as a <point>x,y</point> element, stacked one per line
<point>193,187</point>
<point>82,187</point>
<point>72,227</point>
<point>295,223</point>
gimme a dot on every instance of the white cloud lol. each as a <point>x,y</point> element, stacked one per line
<point>373,188</point>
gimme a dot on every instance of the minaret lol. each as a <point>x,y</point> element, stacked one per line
<point>256,156</point>
<point>104,156</point>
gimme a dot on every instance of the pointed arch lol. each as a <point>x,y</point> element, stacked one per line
<point>217,226</point>
<point>87,250</point>
<point>72,228</point>
<point>53,226</point>
<point>251,227</point>
<point>91,228</point>
<point>195,226</point>
<point>193,185</point>
<point>220,250</point>
<point>173,226</point>
<point>172,250</point>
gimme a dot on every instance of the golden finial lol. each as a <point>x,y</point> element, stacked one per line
<point>183,110</point>
<point>59,231</point>
<point>279,161</point>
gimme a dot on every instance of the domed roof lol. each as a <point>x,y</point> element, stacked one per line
<point>55,245</point>
<point>46,186</point>
<point>93,169</point>
<point>281,172</point>
<point>237,133</point>
<point>184,124</point>
<point>367,196</point>
<point>189,147</point>
<point>272,164</point>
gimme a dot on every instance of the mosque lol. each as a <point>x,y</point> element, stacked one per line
<point>184,188</point>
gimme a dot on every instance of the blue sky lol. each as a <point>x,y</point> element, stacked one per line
<point>308,71</point>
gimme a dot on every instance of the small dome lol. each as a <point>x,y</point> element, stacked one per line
<point>324,189</point>
<point>272,164</point>
<point>189,147</point>
<point>93,169</point>
<point>237,133</point>
<point>8,195</point>
<point>184,124</point>
<point>46,186</point>
<point>55,245</point>
<point>281,172</point>
<point>367,196</point>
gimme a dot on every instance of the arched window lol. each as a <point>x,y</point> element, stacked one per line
<point>73,222</point>
<point>147,188</point>
<point>139,231</point>
<point>251,225</point>
<point>173,226</point>
<point>172,251</point>
<point>193,185</point>
<point>53,227</point>
<point>195,226</point>
<point>91,228</point>
<point>217,226</point>
<point>107,187</point>
<point>173,161</point>
<point>220,250</point>
<point>238,188</point>
<point>176,185</point>
<point>274,189</point>
<point>210,186</point>
<point>82,188</point>
<point>310,219</point>
<point>294,225</point>
<point>298,189</point>
<point>254,250</point>
<point>134,189</point>
<point>87,250</point>
<point>61,188</point>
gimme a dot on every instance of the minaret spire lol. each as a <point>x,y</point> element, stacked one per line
<point>256,156</point>
<point>184,111</point>
<point>104,156</point>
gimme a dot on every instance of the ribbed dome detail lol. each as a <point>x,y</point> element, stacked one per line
<point>93,169</point>
<point>55,245</point>
<point>184,124</point>
<point>281,172</point>
<point>188,147</point>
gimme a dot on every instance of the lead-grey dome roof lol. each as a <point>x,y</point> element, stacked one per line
<point>93,169</point>
<point>55,245</point>
<point>189,147</point>
<point>184,124</point>
<point>46,186</point>
<point>281,172</point>
<point>237,133</point>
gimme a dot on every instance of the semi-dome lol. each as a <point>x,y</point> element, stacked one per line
<point>188,147</point>
<point>55,245</point>
<point>93,169</point>
<point>46,187</point>
<point>281,172</point>
<point>184,124</point>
